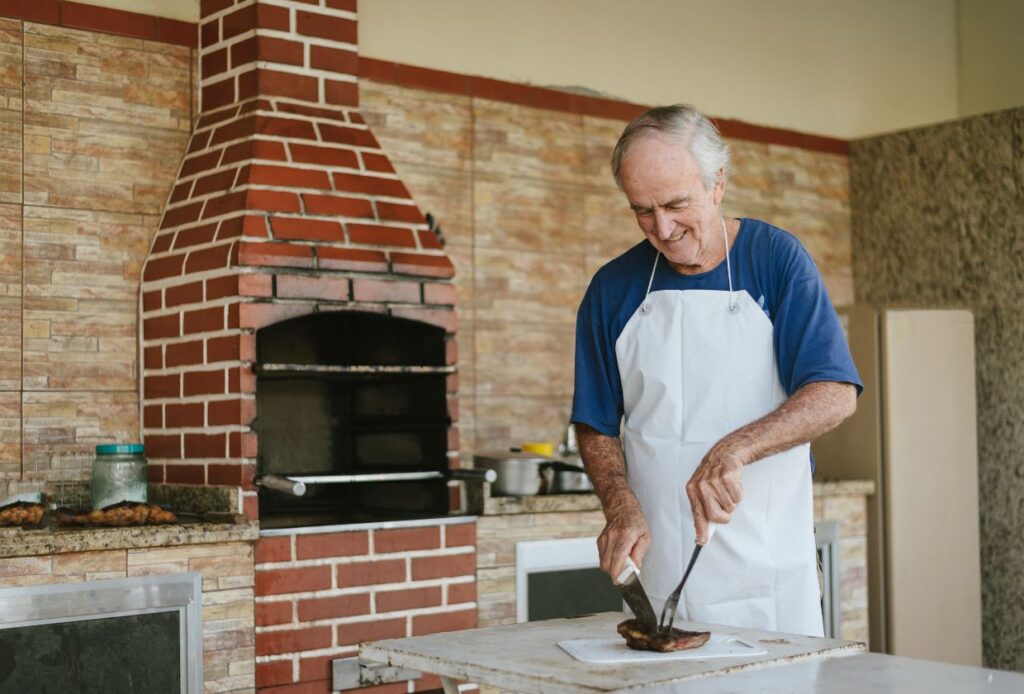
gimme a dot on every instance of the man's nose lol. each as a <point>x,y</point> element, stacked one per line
<point>663,224</point>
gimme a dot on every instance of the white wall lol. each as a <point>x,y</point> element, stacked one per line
<point>845,68</point>
<point>832,67</point>
<point>990,55</point>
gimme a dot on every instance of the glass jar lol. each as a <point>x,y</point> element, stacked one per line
<point>119,473</point>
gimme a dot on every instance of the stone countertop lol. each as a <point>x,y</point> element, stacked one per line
<point>16,542</point>
<point>555,503</point>
<point>864,672</point>
<point>526,657</point>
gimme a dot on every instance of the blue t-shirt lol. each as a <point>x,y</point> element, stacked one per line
<point>768,263</point>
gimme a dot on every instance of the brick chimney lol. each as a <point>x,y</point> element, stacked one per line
<point>284,205</point>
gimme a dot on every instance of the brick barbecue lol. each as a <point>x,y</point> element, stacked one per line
<point>285,206</point>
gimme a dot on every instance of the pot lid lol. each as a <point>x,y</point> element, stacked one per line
<point>512,454</point>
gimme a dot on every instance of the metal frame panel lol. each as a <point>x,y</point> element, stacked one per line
<point>70,602</point>
<point>826,538</point>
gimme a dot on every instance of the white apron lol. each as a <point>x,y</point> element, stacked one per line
<point>696,365</point>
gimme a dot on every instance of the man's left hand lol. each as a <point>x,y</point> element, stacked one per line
<point>715,489</point>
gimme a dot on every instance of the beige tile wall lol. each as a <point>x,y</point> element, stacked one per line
<point>850,511</point>
<point>228,602</point>
<point>522,194</point>
<point>87,155</point>
<point>497,537</point>
<point>528,207</point>
<point>10,247</point>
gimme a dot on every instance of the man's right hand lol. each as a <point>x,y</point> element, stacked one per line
<point>625,534</point>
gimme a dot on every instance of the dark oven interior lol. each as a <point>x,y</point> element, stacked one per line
<point>354,406</point>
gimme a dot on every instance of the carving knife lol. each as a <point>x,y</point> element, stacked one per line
<point>636,597</point>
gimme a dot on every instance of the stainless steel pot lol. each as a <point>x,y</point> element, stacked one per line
<point>566,478</point>
<point>518,473</point>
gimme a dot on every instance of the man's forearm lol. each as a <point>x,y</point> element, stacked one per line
<point>626,533</point>
<point>606,467</point>
<point>810,412</point>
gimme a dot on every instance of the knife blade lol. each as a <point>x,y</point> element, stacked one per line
<point>636,597</point>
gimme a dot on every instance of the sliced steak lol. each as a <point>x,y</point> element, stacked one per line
<point>663,642</point>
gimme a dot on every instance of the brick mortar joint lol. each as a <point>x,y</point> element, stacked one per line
<point>242,113</point>
<point>363,618</point>
<point>357,559</point>
<point>370,589</point>
<point>284,68</point>
<point>279,163</point>
<point>283,4</point>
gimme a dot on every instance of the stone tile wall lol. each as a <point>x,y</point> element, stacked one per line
<point>851,512</point>
<point>527,205</point>
<point>228,611</point>
<point>496,553</point>
<point>938,218</point>
<point>88,151</point>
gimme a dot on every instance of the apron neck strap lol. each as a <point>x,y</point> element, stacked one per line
<point>728,267</point>
<point>645,306</point>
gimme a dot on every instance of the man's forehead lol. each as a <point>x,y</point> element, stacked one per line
<point>658,150</point>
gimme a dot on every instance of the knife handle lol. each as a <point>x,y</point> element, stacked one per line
<point>626,572</point>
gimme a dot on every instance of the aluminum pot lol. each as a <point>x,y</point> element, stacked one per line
<point>565,478</point>
<point>519,473</point>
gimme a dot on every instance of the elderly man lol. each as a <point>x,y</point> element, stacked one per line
<point>716,341</point>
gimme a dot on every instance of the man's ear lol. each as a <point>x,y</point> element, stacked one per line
<point>719,187</point>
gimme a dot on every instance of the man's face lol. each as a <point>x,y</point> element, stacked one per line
<point>665,190</point>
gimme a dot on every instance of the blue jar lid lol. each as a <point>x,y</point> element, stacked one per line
<point>118,448</point>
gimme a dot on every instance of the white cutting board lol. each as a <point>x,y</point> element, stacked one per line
<point>616,650</point>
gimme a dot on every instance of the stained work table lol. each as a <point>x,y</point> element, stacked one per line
<point>526,657</point>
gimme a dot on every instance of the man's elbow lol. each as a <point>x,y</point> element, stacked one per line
<point>846,402</point>
<point>832,401</point>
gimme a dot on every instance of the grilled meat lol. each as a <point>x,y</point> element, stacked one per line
<point>664,642</point>
<point>21,513</point>
<point>159,515</point>
<point>120,514</point>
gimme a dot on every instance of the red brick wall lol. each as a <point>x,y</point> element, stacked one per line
<point>284,205</point>
<point>305,51</point>
<point>319,595</point>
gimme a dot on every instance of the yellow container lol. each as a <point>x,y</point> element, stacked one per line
<point>545,448</point>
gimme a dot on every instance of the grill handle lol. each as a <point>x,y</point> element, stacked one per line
<point>473,475</point>
<point>296,484</point>
<point>282,484</point>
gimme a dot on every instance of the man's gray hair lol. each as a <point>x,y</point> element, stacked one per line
<point>690,127</point>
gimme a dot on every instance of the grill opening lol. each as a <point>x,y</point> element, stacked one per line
<point>351,338</point>
<point>352,394</point>
<point>346,425</point>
